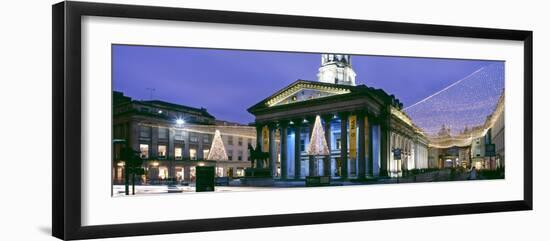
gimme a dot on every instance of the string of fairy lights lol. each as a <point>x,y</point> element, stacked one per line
<point>450,115</point>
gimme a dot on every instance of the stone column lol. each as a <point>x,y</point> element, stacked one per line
<point>185,146</point>
<point>384,145</point>
<point>272,150</point>
<point>187,173</point>
<point>297,154</point>
<point>200,146</point>
<point>284,161</point>
<point>171,169</point>
<point>153,149</point>
<point>370,155</point>
<point>170,147</point>
<point>361,143</point>
<point>417,154</point>
<point>134,135</point>
<point>326,161</point>
<point>170,152</point>
<point>407,154</point>
<point>344,144</point>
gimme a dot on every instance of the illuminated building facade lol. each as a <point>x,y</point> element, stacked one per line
<point>493,135</point>
<point>469,147</point>
<point>173,139</point>
<point>362,127</point>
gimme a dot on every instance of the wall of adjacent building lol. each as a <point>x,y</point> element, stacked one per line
<point>421,156</point>
<point>497,137</point>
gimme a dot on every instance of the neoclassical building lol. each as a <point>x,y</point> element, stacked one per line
<point>173,139</point>
<point>362,125</point>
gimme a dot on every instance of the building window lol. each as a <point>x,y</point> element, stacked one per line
<point>163,172</point>
<point>193,154</point>
<point>338,143</point>
<point>119,173</point>
<point>240,156</point>
<point>240,141</point>
<point>302,145</point>
<point>163,133</point>
<point>219,171</point>
<point>177,153</point>
<point>488,136</point>
<point>249,141</point>
<point>144,151</point>
<point>180,173</point>
<point>161,151</point>
<point>206,138</point>
<point>145,131</point>
<point>230,140</point>
<point>193,137</point>
<point>205,153</point>
<point>192,173</point>
<point>178,135</point>
<point>230,155</point>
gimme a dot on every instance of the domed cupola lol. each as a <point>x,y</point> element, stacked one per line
<point>336,69</point>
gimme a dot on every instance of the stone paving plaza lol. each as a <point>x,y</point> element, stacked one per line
<point>235,186</point>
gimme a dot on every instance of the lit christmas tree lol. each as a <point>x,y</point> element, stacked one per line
<point>217,150</point>
<point>318,143</point>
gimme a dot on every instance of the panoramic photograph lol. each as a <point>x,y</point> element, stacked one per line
<point>188,120</point>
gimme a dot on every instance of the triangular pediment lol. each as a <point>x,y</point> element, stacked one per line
<point>305,91</point>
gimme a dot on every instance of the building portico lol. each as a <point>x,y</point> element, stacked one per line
<point>360,125</point>
<point>293,123</point>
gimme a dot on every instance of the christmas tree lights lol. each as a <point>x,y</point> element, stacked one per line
<point>318,144</point>
<point>217,150</point>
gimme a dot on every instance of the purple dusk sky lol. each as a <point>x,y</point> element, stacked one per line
<point>227,82</point>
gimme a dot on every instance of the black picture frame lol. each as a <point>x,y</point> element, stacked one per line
<point>66,165</point>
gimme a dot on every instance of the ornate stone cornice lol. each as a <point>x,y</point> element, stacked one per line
<point>299,86</point>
